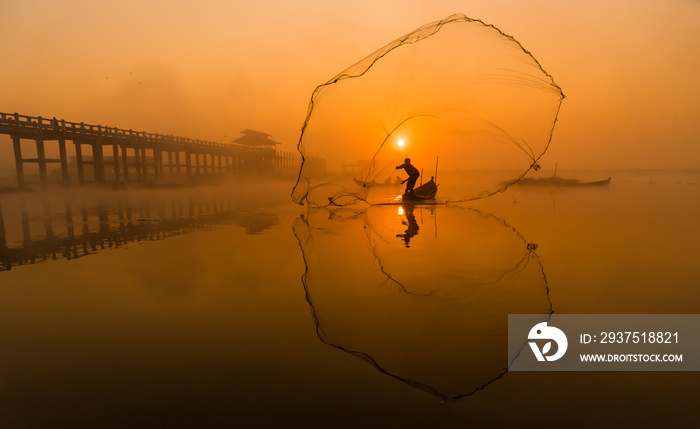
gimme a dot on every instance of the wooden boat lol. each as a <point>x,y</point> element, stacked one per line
<point>558,181</point>
<point>372,184</point>
<point>426,191</point>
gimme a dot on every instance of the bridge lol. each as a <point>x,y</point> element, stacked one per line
<point>120,156</point>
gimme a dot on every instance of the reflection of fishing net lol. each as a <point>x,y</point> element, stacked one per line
<point>434,315</point>
<point>458,89</point>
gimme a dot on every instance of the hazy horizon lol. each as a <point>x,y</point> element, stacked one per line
<point>628,70</point>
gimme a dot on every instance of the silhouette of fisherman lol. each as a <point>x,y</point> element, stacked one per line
<point>413,175</point>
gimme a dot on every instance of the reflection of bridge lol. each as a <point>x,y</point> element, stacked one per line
<point>136,156</point>
<point>79,229</point>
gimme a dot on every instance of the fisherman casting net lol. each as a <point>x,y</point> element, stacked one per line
<point>458,89</point>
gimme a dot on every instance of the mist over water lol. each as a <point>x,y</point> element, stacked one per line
<point>230,304</point>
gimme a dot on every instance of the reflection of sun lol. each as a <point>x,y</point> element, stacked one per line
<point>400,142</point>
<point>400,211</point>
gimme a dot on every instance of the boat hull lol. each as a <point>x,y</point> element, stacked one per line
<point>556,181</point>
<point>426,191</point>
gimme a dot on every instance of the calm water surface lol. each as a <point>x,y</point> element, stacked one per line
<point>230,307</point>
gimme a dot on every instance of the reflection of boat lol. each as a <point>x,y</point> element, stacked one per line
<point>410,223</point>
<point>426,191</point>
<point>558,181</point>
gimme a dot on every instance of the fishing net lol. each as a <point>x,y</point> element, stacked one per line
<point>420,293</point>
<point>467,103</point>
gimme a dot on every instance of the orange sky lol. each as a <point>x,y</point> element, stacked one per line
<point>211,69</point>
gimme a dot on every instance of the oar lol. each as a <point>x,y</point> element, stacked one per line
<point>436,165</point>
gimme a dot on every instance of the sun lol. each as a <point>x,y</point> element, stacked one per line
<point>400,143</point>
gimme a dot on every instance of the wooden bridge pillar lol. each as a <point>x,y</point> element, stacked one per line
<point>3,241</point>
<point>159,158</point>
<point>115,163</point>
<point>196,164</point>
<point>188,164</point>
<point>64,161</point>
<point>98,162</point>
<point>79,161</point>
<point>137,160</point>
<point>157,161</point>
<point>18,161</point>
<point>41,159</point>
<point>170,163</point>
<point>125,164</point>
<point>144,165</point>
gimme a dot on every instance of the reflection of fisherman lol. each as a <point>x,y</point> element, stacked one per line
<point>412,225</point>
<point>413,175</point>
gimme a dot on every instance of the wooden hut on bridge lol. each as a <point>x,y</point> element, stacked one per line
<point>256,140</point>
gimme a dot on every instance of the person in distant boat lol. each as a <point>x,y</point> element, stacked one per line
<point>413,175</point>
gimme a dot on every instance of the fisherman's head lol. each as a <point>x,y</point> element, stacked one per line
<point>407,160</point>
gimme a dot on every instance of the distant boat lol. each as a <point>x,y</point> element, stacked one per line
<point>371,184</point>
<point>426,191</point>
<point>558,181</point>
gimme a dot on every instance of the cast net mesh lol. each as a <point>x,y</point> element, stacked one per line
<point>423,298</point>
<point>457,90</point>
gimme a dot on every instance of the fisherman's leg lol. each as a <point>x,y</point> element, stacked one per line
<point>410,184</point>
